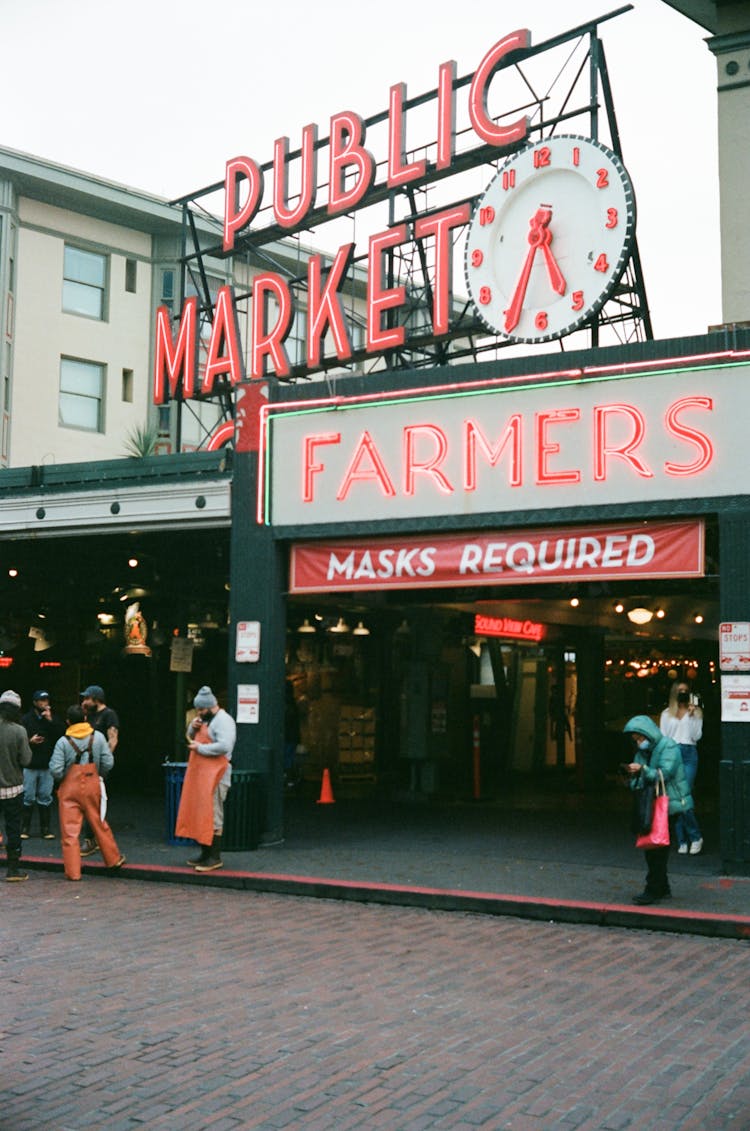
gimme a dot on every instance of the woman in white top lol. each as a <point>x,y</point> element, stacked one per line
<point>682,720</point>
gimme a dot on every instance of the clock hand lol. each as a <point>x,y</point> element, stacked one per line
<point>556,277</point>
<point>513,313</point>
<point>537,231</point>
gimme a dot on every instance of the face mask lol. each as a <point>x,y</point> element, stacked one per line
<point>644,745</point>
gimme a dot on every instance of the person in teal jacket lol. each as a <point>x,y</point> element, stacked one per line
<point>653,751</point>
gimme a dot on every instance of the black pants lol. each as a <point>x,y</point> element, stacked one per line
<point>12,810</point>
<point>657,859</point>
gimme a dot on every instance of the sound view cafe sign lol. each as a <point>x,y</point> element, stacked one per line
<point>352,182</point>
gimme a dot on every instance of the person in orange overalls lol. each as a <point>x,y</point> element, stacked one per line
<point>78,760</point>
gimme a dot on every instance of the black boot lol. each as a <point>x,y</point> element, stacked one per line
<point>205,851</point>
<point>14,873</point>
<point>214,859</point>
<point>44,814</point>
<point>28,813</point>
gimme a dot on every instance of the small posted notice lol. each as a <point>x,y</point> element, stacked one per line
<point>247,650</point>
<point>734,646</point>
<point>248,703</point>
<point>735,698</point>
<point>180,654</point>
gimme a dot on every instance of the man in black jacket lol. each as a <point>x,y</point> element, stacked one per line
<point>104,719</point>
<point>15,753</point>
<point>43,731</point>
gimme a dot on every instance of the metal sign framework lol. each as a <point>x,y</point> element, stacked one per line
<point>578,92</point>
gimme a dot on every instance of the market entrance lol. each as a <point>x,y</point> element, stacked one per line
<point>413,698</point>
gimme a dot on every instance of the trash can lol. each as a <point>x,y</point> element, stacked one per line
<point>174,776</point>
<point>244,811</point>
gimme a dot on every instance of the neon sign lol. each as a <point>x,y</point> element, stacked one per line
<point>504,444</point>
<point>352,182</point>
<point>508,626</point>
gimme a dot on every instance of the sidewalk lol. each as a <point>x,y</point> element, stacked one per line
<point>563,859</point>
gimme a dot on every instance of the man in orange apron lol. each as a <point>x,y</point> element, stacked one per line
<point>211,737</point>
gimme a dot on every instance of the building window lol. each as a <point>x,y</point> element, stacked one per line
<point>81,394</point>
<point>127,386</point>
<point>167,286</point>
<point>131,269</point>
<point>296,343</point>
<point>84,282</point>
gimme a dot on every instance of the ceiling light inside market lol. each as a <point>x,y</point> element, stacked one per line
<point>360,630</point>
<point>339,626</point>
<point>640,615</point>
<point>306,626</point>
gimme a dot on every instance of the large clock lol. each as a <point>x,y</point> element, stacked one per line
<point>550,238</point>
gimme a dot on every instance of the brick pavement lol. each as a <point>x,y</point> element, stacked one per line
<point>132,1005</point>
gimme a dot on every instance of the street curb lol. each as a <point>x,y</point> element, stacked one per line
<point>671,920</point>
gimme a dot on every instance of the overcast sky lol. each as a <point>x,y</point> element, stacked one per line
<point>159,95</point>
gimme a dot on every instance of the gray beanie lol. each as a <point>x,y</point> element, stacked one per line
<point>11,697</point>
<point>205,698</point>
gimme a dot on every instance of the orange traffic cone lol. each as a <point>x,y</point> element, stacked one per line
<point>326,793</point>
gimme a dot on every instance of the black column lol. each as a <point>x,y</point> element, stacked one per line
<point>734,768</point>
<point>257,594</point>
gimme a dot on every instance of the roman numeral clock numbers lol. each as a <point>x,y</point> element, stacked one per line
<point>549,239</point>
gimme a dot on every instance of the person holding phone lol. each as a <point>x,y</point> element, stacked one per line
<point>654,753</point>
<point>682,720</point>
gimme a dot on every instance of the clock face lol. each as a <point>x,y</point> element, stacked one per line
<point>550,238</point>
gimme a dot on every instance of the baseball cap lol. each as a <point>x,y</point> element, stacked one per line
<point>93,691</point>
<point>40,695</point>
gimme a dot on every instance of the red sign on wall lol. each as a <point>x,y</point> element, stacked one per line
<point>507,557</point>
<point>509,626</point>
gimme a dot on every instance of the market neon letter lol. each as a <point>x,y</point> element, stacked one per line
<point>376,472</point>
<point>483,125</point>
<point>291,217</point>
<point>269,344</point>
<point>626,450</point>
<point>224,348</point>
<point>179,359</point>
<point>324,305</point>
<point>309,467</point>
<point>238,216</point>
<point>429,466</point>
<point>399,172</point>
<point>347,152</point>
<point>691,435</point>
<point>546,448</point>
<point>379,297</point>
<point>473,437</point>
<point>446,131</point>
<point>441,226</point>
